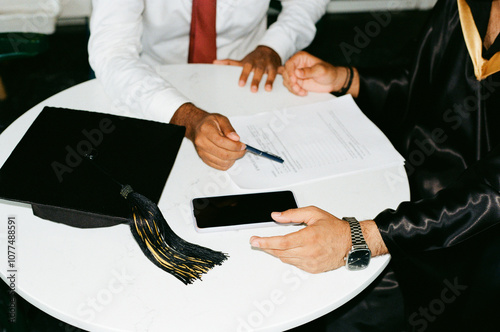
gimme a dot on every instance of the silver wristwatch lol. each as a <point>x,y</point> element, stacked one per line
<point>359,256</point>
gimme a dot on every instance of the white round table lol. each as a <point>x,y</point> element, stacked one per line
<point>99,280</point>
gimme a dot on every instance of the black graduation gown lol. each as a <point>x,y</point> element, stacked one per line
<point>445,243</point>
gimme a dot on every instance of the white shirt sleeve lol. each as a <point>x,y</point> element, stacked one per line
<point>295,28</point>
<point>114,54</point>
<point>127,37</point>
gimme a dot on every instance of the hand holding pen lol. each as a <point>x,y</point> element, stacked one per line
<point>214,138</point>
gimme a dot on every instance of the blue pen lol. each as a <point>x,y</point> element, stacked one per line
<point>264,154</point>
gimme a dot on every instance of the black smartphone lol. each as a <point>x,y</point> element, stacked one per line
<point>240,211</point>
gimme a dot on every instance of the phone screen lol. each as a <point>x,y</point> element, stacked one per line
<point>238,210</point>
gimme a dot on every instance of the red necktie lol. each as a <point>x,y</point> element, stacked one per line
<point>202,45</point>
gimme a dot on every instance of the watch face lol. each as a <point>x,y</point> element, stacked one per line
<point>358,259</point>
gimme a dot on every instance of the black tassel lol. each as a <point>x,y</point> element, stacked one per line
<point>184,260</point>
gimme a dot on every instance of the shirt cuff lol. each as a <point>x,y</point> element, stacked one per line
<point>279,43</point>
<point>164,104</point>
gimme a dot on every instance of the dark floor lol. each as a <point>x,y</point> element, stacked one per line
<point>369,39</point>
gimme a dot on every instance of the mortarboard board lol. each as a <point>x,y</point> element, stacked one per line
<point>70,166</point>
<point>48,169</point>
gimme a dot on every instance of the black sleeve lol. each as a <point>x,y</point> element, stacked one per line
<point>466,208</point>
<point>383,94</point>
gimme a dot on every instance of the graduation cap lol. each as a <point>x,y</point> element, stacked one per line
<point>79,168</point>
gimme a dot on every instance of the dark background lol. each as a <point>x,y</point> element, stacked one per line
<point>388,40</point>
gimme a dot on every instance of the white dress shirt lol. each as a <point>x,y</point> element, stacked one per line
<point>130,38</point>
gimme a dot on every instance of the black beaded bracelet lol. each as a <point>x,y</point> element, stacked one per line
<point>347,83</point>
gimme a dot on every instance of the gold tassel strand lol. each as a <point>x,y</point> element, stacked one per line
<point>184,260</point>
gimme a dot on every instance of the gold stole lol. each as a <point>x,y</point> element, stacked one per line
<point>482,68</point>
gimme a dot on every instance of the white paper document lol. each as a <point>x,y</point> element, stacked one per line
<point>325,139</point>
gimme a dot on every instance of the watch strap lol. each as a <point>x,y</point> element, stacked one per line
<point>358,241</point>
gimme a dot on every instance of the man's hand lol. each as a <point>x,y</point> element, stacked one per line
<point>319,247</point>
<point>263,60</point>
<point>322,245</point>
<point>213,136</point>
<point>305,73</point>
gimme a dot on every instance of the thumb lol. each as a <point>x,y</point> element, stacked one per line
<point>311,72</point>
<point>302,72</point>
<point>227,129</point>
<point>298,216</point>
